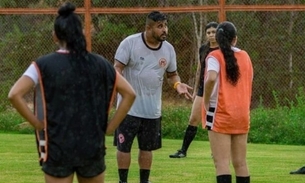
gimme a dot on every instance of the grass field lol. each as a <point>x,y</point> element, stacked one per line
<point>267,163</point>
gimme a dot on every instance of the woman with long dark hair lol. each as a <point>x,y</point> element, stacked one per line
<point>195,118</point>
<point>227,98</point>
<point>73,95</point>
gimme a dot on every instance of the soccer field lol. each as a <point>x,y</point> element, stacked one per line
<point>267,163</point>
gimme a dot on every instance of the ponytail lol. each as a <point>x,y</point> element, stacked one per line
<point>224,37</point>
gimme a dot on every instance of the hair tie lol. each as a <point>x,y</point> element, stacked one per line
<point>220,29</point>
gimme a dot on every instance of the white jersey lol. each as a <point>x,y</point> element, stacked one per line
<point>144,70</point>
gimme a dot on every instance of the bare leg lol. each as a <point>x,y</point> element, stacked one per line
<point>221,148</point>
<point>195,117</point>
<point>191,129</point>
<point>145,159</point>
<point>194,121</point>
<point>145,162</point>
<point>51,179</point>
<point>239,151</point>
<point>123,160</point>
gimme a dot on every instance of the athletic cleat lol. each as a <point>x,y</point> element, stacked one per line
<point>299,171</point>
<point>178,154</point>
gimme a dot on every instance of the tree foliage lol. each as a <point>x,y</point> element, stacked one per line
<point>24,39</point>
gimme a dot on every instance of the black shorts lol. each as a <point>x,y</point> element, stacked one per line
<point>148,132</point>
<point>200,90</point>
<point>86,170</point>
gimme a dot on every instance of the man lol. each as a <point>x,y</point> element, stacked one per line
<point>143,59</point>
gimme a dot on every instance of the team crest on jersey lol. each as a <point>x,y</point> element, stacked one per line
<point>162,62</point>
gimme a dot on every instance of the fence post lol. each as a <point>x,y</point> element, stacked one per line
<point>222,11</point>
<point>87,6</point>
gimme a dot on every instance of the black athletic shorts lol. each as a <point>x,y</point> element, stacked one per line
<point>148,132</point>
<point>86,170</point>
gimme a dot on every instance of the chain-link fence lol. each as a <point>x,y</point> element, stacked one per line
<point>272,33</point>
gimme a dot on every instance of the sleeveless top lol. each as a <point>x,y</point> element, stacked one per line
<point>74,104</point>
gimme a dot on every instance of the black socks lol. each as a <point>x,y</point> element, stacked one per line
<point>224,179</point>
<point>189,136</point>
<point>228,179</point>
<point>123,174</point>
<point>144,175</point>
<point>242,179</point>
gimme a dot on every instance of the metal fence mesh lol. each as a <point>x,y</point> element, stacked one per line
<point>274,41</point>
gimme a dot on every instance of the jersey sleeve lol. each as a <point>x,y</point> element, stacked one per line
<point>172,67</point>
<point>32,73</point>
<point>212,64</point>
<point>123,52</point>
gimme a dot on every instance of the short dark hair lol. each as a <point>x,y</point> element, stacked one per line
<point>211,24</point>
<point>155,16</point>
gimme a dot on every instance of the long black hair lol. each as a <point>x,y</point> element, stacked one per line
<point>68,28</point>
<point>204,53</point>
<point>225,34</point>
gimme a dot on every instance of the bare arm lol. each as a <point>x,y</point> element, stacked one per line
<point>128,97</point>
<point>172,78</point>
<point>208,88</point>
<point>16,97</point>
<point>119,66</point>
<point>182,88</point>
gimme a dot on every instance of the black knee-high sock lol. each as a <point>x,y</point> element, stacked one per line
<point>123,174</point>
<point>242,179</point>
<point>189,136</point>
<point>144,175</point>
<point>224,179</point>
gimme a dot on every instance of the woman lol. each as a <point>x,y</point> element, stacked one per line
<point>73,92</point>
<point>195,118</point>
<point>227,97</point>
